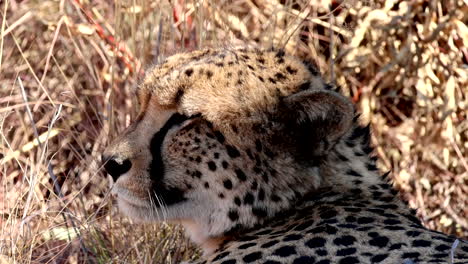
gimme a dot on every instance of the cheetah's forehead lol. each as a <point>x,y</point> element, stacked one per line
<point>228,83</point>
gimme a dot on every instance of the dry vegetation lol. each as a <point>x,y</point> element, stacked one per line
<point>68,68</point>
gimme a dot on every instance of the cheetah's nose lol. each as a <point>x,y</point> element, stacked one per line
<point>114,168</point>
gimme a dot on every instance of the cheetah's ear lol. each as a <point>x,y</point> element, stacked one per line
<point>318,118</point>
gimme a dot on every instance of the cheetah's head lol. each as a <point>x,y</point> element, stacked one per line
<point>225,139</point>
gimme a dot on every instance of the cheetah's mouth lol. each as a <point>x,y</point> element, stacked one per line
<point>129,198</point>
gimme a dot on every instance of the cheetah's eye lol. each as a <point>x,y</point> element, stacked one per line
<point>177,119</point>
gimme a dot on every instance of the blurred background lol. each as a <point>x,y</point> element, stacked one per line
<point>68,68</point>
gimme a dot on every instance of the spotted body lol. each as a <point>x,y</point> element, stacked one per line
<point>263,162</point>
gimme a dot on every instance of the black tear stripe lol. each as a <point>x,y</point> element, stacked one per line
<point>168,195</point>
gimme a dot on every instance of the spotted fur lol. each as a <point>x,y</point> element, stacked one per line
<point>263,162</point>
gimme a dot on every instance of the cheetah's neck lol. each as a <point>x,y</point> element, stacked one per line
<point>351,168</point>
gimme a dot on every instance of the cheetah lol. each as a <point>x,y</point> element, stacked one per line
<point>263,162</point>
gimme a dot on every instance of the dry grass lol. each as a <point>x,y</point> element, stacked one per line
<point>68,68</point>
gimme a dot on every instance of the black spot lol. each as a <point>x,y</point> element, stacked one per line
<point>209,74</point>
<point>229,261</point>
<point>412,233</point>
<point>292,237</point>
<point>378,258</point>
<point>207,185</point>
<point>240,175</point>
<point>421,243</point>
<point>225,164</point>
<point>371,167</point>
<point>285,251</point>
<point>254,185</point>
<point>353,173</point>
<point>397,246</point>
<point>179,94</point>
<point>259,212</point>
<point>348,260</point>
<point>232,151</point>
<point>261,194</point>
<point>275,198</point>
<point>197,174</point>
<point>323,228</point>
<point>342,158</point>
<point>445,239</point>
<point>264,176</point>
<point>269,244</point>
<point>211,165</point>
<point>350,219</point>
<point>290,70</point>
<point>376,211</point>
<point>227,184</point>
<point>248,198</point>
<point>219,64</point>
<point>252,257</point>
<point>221,195</point>
<point>311,67</point>
<point>189,72</point>
<point>410,255</point>
<point>272,80</point>
<point>219,137</point>
<point>247,245</point>
<point>304,86</point>
<point>280,53</point>
<point>237,201</point>
<point>344,240</point>
<point>359,132</point>
<point>350,144</point>
<point>346,251</point>
<point>442,248</point>
<point>221,256</point>
<point>233,215</point>
<point>279,76</point>
<point>258,145</point>
<point>321,252</point>
<point>316,242</point>
<point>350,226</point>
<point>444,255</point>
<point>365,220</point>
<point>328,214</point>
<point>304,260</point>
<point>379,241</point>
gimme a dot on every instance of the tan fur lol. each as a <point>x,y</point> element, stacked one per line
<point>247,144</point>
<point>226,93</point>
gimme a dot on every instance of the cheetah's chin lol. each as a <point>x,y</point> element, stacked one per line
<point>136,211</point>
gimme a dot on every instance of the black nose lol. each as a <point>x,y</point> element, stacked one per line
<point>114,168</point>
